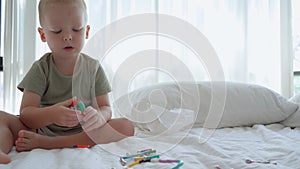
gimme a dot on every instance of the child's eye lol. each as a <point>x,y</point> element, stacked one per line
<point>57,32</point>
<point>77,30</point>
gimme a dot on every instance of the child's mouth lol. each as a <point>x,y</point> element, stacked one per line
<point>68,48</point>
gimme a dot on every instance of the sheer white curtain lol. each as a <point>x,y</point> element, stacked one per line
<point>247,36</point>
<point>19,49</point>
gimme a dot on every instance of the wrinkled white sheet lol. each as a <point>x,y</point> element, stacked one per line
<point>227,148</point>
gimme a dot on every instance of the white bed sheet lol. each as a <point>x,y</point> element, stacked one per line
<point>227,148</point>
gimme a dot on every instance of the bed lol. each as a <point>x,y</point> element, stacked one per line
<point>257,128</point>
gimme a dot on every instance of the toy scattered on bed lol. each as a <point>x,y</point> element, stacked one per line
<point>248,161</point>
<point>144,156</point>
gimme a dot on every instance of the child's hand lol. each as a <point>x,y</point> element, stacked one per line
<point>92,118</point>
<point>62,115</point>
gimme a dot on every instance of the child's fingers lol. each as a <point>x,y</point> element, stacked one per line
<point>90,119</point>
<point>88,116</point>
<point>71,124</point>
<point>71,114</point>
<point>89,110</point>
<point>68,102</point>
<point>79,114</point>
<point>71,118</point>
<point>68,123</point>
<point>89,113</point>
<point>92,124</point>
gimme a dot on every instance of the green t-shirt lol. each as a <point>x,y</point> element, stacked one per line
<point>44,79</point>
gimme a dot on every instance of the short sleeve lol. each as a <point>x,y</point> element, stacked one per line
<point>102,85</point>
<point>35,79</point>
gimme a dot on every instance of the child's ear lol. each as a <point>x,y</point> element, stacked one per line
<point>42,34</point>
<point>87,32</point>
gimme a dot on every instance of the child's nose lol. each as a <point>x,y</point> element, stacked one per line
<point>67,37</point>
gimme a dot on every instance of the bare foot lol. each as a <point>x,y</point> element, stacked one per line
<point>4,158</point>
<point>29,140</point>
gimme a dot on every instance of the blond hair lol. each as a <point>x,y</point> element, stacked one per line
<point>43,4</point>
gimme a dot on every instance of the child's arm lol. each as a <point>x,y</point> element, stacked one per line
<point>97,115</point>
<point>104,106</point>
<point>33,116</point>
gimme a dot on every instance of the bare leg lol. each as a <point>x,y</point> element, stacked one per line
<point>9,127</point>
<point>114,130</point>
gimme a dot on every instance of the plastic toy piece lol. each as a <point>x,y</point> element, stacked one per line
<point>82,146</point>
<point>77,105</point>
<point>122,161</point>
<point>180,163</point>
<point>155,160</point>
<point>145,156</point>
<point>217,167</point>
<point>80,106</point>
<point>248,161</point>
<point>139,154</point>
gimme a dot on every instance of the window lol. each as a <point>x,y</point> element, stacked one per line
<point>246,35</point>
<point>1,52</point>
<point>296,44</point>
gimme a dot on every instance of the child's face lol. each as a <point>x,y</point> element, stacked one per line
<point>64,29</point>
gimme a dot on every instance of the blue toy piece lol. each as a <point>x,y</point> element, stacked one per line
<point>78,105</point>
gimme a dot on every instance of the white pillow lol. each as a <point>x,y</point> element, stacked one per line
<point>157,120</point>
<point>294,119</point>
<point>217,104</point>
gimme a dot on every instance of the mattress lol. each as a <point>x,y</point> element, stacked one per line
<point>267,146</point>
<point>252,127</point>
